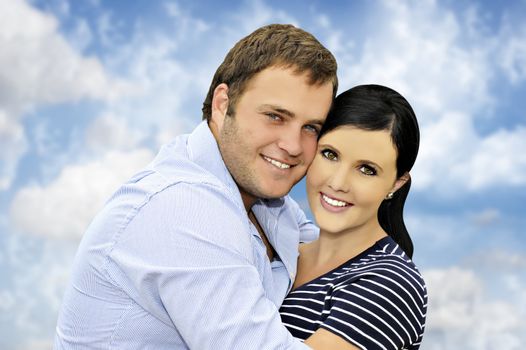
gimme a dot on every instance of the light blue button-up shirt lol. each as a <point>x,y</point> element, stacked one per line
<point>173,262</point>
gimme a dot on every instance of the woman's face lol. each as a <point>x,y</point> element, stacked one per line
<point>350,176</point>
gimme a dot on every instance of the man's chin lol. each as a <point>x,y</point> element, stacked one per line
<point>275,193</point>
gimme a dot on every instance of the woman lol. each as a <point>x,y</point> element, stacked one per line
<point>356,286</point>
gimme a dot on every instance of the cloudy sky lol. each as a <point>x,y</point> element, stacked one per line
<point>89,90</point>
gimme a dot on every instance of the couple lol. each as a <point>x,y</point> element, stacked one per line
<point>200,249</point>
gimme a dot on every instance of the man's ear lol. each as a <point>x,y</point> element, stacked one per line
<point>401,181</point>
<point>219,105</point>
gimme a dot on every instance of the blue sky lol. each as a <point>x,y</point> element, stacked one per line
<point>90,90</point>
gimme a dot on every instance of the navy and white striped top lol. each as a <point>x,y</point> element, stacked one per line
<point>376,300</point>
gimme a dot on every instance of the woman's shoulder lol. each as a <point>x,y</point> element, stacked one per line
<point>383,296</point>
<point>388,253</point>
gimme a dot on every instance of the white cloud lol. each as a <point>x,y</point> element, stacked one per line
<point>323,21</point>
<point>254,14</point>
<point>445,63</point>
<point>499,158</point>
<point>493,260</point>
<point>7,301</point>
<point>486,217</point>
<point>62,8</point>
<point>187,24</point>
<point>13,144</point>
<point>38,67</point>
<point>453,156</point>
<point>512,55</point>
<point>462,316</point>
<point>28,317</point>
<point>167,75</point>
<point>64,207</point>
<point>43,344</point>
<point>80,36</point>
<point>109,132</point>
<point>108,29</point>
<point>419,50</point>
<point>445,143</point>
<point>164,104</point>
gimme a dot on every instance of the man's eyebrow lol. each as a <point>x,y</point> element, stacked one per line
<point>288,113</point>
<point>278,109</point>
<point>316,121</point>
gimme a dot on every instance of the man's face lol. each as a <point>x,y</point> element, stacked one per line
<point>270,142</point>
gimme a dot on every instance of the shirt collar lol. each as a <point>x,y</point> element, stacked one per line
<point>280,229</point>
<point>204,151</point>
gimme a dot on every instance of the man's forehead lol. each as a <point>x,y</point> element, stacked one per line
<point>278,72</point>
<point>283,90</point>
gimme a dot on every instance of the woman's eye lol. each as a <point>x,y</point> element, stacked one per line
<point>330,155</point>
<point>367,170</point>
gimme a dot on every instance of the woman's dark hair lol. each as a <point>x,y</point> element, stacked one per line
<point>376,107</point>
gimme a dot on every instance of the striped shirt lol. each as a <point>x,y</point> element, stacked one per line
<point>376,300</point>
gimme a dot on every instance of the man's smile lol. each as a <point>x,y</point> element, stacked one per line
<point>277,163</point>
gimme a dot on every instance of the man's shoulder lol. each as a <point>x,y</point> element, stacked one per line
<point>172,166</point>
<point>171,178</point>
<point>179,171</point>
<point>176,196</point>
<point>191,159</point>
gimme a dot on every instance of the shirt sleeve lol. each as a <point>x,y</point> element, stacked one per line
<point>187,257</point>
<point>308,230</point>
<point>377,311</point>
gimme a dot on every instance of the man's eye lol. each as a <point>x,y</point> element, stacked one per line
<point>313,129</point>
<point>367,170</point>
<point>328,154</point>
<point>274,117</point>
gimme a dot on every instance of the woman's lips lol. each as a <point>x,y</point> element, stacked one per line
<point>332,204</point>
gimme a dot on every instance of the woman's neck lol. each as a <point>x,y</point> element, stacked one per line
<point>332,250</point>
<point>340,247</point>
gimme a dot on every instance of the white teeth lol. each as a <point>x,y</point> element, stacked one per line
<point>334,202</point>
<point>276,163</point>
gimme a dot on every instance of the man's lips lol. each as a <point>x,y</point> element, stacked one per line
<point>277,163</point>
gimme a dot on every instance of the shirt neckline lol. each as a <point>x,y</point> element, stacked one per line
<point>377,245</point>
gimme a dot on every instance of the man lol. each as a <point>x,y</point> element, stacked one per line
<point>198,250</point>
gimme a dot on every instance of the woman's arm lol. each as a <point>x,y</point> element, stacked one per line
<point>322,339</point>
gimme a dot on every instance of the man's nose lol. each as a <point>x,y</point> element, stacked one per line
<point>291,141</point>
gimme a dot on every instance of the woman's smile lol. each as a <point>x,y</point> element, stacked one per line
<point>332,204</point>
